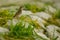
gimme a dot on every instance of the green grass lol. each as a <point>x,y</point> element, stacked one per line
<point>57,14</point>
<point>34,8</point>
<point>5,15</point>
<point>19,30</point>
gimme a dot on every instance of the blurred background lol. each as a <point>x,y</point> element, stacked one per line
<point>19,2</point>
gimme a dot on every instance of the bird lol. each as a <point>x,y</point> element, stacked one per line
<point>18,12</point>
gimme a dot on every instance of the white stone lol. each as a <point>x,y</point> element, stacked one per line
<point>51,9</point>
<point>26,12</point>
<point>39,20</point>
<point>51,30</point>
<point>42,35</point>
<point>43,15</point>
<point>3,30</point>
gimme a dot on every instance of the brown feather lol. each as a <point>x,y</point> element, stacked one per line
<point>18,12</point>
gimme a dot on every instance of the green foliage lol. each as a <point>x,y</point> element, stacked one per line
<point>23,29</point>
<point>20,30</point>
<point>34,8</point>
<point>28,19</point>
<point>57,14</point>
<point>5,15</point>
